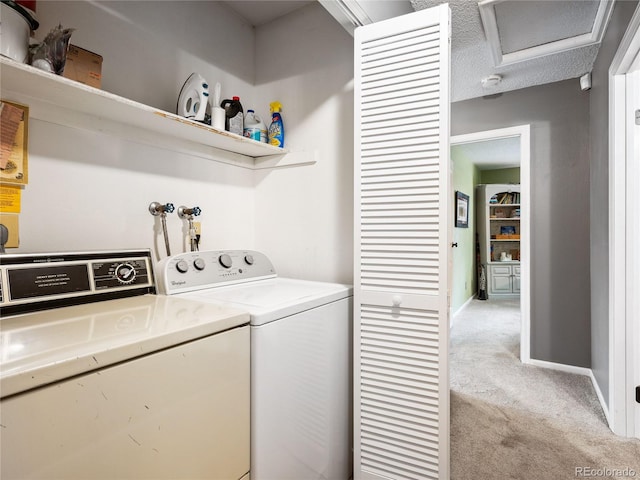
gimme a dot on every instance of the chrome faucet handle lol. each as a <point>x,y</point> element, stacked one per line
<point>156,208</point>
<point>184,212</point>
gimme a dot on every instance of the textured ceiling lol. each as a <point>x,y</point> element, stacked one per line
<point>471,58</point>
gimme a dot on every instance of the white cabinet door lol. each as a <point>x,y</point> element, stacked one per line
<point>402,254</point>
<point>516,279</point>
<point>500,283</point>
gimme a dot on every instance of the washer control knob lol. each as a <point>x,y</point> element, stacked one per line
<point>225,260</point>
<point>182,266</point>
<point>199,264</point>
<point>248,259</point>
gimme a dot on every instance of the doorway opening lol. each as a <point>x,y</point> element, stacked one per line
<point>519,137</point>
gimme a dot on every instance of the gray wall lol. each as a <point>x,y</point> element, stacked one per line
<point>559,117</point>
<point>599,125</point>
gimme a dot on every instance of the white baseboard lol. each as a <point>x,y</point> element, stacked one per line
<point>578,371</point>
<point>560,367</point>
<point>603,404</point>
<point>459,311</point>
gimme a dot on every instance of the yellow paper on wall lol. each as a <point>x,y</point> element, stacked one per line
<point>10,196</point>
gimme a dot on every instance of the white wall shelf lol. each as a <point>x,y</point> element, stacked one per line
<point>58,100</point>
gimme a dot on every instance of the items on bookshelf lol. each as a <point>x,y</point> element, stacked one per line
<point>505,198</point>
<point>508,255</point>
<point>504,212</point>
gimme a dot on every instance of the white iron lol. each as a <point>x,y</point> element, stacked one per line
<point>192,101</point>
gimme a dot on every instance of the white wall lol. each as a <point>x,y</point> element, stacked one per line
<point>304,215</point>
<point>91,191</point>
<point>88,190</point>
<point>149,48</point>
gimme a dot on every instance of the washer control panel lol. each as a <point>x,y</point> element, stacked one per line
<point>190,271</point>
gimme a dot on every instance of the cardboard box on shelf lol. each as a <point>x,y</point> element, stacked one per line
<point>83,66</point>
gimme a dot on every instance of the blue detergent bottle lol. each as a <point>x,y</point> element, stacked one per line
<point>276,129</point>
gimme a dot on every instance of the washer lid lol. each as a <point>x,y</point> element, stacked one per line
<point>48,346</point>
<point>268,300</point>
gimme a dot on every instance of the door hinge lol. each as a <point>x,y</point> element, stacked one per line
<point>638,117</point>
<point>638,394</point>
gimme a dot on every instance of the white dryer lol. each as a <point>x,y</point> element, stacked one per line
<point>102,379</point>
<point>301,422</point>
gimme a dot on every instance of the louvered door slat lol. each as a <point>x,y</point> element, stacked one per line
<point>400,40</point>
<point>399,99</point>
<point>392,79</point>
<point>394,112</point>
<point>379,134</point>
<point>402,230</point>
<point>411,63</point>
<point>423,85</point>
<point>417,167</point>
<point>390,157</point>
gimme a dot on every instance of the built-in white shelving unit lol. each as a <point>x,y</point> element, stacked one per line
<point>56,99</point>
<point>498,220</point>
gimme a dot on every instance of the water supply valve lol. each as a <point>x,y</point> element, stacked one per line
<point>158,209</point>
<point>184,212</point>
<point>189,213</point>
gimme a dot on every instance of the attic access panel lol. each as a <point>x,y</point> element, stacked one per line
<point>524,30</point>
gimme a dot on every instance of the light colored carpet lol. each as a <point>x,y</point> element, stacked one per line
<point>515,421</point>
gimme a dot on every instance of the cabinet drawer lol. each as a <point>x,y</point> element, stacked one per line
<point>501,269</point>
<point>516,270</point>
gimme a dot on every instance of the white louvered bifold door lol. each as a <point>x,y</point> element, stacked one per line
<point>403,207</point>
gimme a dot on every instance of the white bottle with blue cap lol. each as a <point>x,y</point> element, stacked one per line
<point>254,127</point>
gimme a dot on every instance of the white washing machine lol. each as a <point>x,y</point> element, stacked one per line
<point>102,379</point>
<point>301,422</point>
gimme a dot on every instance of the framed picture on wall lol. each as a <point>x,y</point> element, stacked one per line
<point>462,210</point>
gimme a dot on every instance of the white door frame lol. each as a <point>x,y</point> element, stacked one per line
<point>522,131</point>
<point>623,261</point>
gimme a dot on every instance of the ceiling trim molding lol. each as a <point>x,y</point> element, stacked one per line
<point>348,12</point>
<point>489,21</point>
<point>630,43</point>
